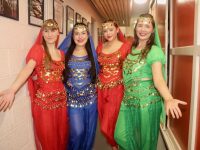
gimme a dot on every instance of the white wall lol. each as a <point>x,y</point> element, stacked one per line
<point>130,29</point>
<point>86,11</point>
<point>16,37</point>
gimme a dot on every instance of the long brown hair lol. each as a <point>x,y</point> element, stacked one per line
<point>49,24</point>
<point>150,42</point>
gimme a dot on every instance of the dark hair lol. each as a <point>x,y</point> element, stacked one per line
<point>150,42</point>
<point>70,51</point>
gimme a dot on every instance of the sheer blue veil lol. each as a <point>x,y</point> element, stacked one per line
<point>64,46</point>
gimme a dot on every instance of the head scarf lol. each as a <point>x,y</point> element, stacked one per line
<point>120,35</point>
<point>158,43</point>
<point>156,38</point>
<point>67,42</point>
<point>48,24</point>
<point>149,18</point>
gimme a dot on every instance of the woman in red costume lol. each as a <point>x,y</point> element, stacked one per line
<point>111,55</point>
<point>43,69</point>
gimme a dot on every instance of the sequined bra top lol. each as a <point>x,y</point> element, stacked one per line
<point>80,91</point>
<point>50,92</point>
<point>110,70</point>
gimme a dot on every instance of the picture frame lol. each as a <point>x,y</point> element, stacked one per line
<point>36,12</point>
<point>78,17</point>
<point>58,13</point>
<point>84,20</point>
<point>89,27</point>
<point>9,9</point>
<point>99,34</point>
<point>69,19</point>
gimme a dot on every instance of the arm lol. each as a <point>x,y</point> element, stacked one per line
<point>171,104</point>
<point>7,96</point>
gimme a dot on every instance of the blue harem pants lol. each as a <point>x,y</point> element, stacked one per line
<point>82,127</point>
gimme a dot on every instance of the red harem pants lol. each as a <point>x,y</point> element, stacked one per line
<point>51,128</point>
<point>109,101</point>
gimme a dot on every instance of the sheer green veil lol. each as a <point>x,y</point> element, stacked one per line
<point>158,43</point>
<point>149,18</point>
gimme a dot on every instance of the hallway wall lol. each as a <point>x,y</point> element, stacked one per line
<point>88,12</point>
<point>182,36</point>
<point>16,131</point>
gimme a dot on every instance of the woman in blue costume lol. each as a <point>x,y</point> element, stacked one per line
<point>80,74</point>
<point>142,110</point>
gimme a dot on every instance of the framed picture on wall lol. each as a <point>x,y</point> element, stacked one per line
<point>99,34</point>
<point>89,27</point>
<point>9,9</point>
<point>78,17</point>
<point>35,12</point>
<point>84,21</point>
<point>58,13</point>
<point>69,18</point>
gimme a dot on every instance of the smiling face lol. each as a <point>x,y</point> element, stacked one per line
<point>50,35</point>
<point>80,35</point>
<point>110,31</point>
<point>144,28</point>
<point>50,31</point>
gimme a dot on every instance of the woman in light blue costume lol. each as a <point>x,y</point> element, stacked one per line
<point>81,69</point>
<point>142,107</point>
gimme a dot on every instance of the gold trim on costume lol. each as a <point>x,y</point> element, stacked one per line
<point>50,24</point>
<point>112,84</point>
<point>81,27</point>
<point>108,25</point>
<point>145,19</point>
<point>141,105</point>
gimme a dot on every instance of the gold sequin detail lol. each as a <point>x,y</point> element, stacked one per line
<point>79,73</point>
<point>110,70</point>
<point>57,94</point>
<point>50,100</point>
<point>112,84</point>
<point>51,107</point>
<point>141,105</point>
<point>50,92</point>
<point>136,93</point>
<point>54,75</point>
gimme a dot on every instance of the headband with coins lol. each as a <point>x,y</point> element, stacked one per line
<point>68,41</point>
<point>145,19</point>
<point>108,24</point>
<point>81,27</point>
<point>50,24</point>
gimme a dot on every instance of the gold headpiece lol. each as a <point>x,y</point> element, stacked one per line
<point>145,19</point>
<point>50,24</point>
<point>107,24</point>
<point>81,27</point>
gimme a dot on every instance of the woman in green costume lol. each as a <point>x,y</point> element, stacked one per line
<point>142,108</point>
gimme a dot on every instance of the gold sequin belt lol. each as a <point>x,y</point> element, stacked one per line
<point>141,105</point>
<point>52,106</point>
<point>141,79</point>
<point>112,84</point>
<point>50,100</point>
<point>55,95</point>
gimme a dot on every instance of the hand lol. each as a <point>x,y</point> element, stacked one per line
<point>6,99</point>
<point>172,107</point>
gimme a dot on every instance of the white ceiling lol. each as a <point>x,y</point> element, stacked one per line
<point>120,10</point>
